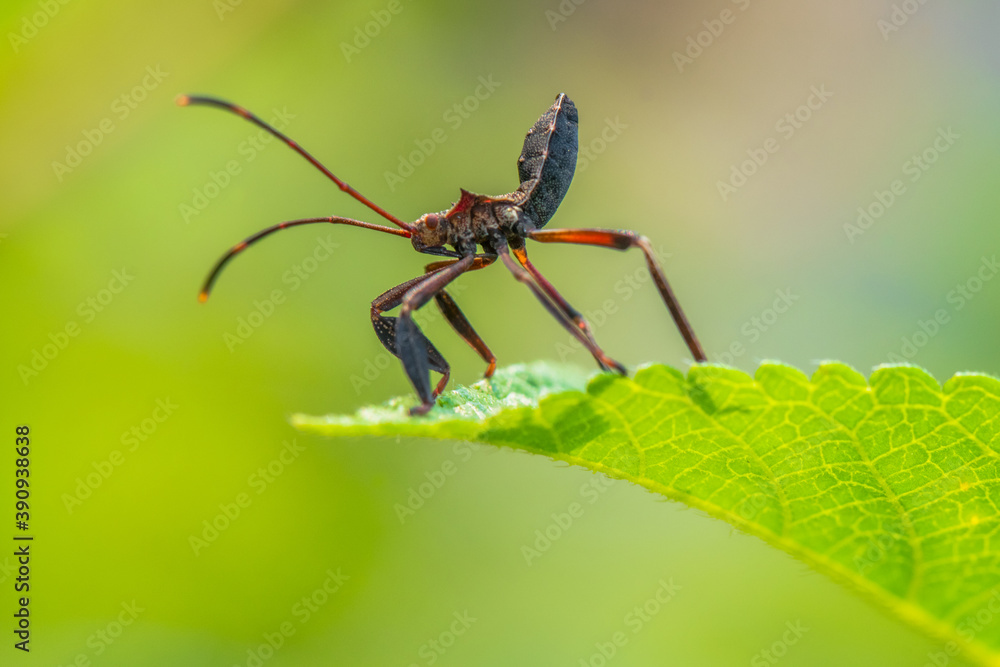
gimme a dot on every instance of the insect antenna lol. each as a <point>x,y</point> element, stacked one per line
<point>186,100</point>
<point>249,241</point>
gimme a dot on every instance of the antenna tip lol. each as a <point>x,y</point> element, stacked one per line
<point>182,100</point>
<point>202,297</point>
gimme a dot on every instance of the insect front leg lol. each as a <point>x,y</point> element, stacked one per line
<point>411,345</point>
<point>385,328</point>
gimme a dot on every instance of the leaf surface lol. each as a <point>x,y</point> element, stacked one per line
<point>890,486</point>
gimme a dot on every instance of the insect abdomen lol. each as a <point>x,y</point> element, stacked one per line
<point>548,160</point>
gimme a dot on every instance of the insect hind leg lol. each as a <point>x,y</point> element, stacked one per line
<point>623,240</point>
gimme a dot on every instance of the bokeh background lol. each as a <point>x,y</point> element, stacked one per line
<point>662,133</point>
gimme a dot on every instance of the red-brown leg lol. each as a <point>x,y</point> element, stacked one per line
<point>522,275</point>
<point>623,240</point>
<point>456,318</point>
<point>522,256</point>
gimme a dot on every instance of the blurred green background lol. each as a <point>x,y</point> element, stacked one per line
<point>661,134</point>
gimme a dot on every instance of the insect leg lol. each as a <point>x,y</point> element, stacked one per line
<point>456,318</point>
<point>411,345</point>
<point>521,254</point>
<point>574,316</point>
<point>623,240</point>
<point>385,327</point>
<point>605,362</point>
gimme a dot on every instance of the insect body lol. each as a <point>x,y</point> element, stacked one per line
<point>499,226</point>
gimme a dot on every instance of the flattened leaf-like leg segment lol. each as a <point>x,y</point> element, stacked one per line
<point>386,328</point>
<point>408,343</point>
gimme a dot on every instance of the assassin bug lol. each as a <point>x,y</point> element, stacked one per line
<point>500,225</point>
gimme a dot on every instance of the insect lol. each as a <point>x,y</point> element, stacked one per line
<point>499,225</point>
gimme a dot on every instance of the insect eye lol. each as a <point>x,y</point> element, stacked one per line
<point>431,222</point>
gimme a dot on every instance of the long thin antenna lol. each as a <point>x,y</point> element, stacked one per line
<point>249,241</point>
<point>185,100</point>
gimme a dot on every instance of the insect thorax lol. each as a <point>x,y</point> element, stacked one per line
<point>475,220</point>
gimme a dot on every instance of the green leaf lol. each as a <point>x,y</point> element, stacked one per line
<point>892,487</point>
